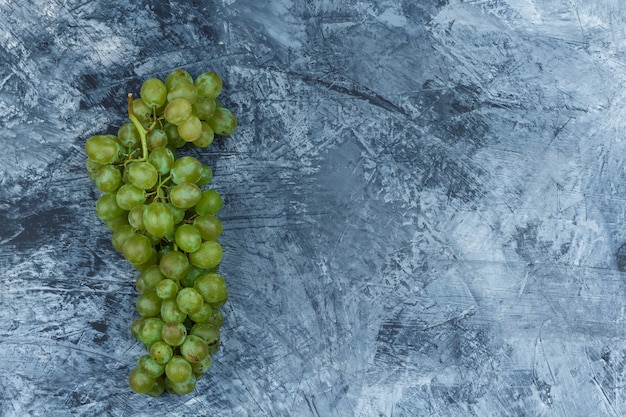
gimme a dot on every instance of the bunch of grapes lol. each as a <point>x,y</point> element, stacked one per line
<point>163,220</point>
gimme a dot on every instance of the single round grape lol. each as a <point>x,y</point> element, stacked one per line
<point>202,367</point>
<point>189,300</point>
<point>177,76</point>
<point>209,226</point>
<point>183,90</point>
<point>185,387</point>
<point>107,207</point>
<point>206,176</point>
<point>161,352</point>
<point>149,365</point>
<point>129,195</point>
<point>150,332</point>
<point>210,202</point>
<point>142,111</point>
<point>194,349</point>
<point>136,326</point>
<point>212,288</point>
<point>120,235</point>
<point>216,318</point>
<point>142,174</point>
<point>128,135</point>
<point>208,256</point>
<point>185,195</point>
<point>148,304</point>
<point>166,288</point>
<point>204,107</point>
<point>190,129</point>
<point>170,311</point>
<point>153,92</point>
<point>162,159</point>
<point>192,275</point>
<point>186,169</point>
<point>174,265</point>
<point>209,333</point>
<point>158,388</point>
<point>137,249</point>
<point>151,277</point>
<point>135,216</point>
<point>140,381</point>
<point>203,314</point>
<point>152,259</point>
<point>173,333</point>
<point>92,166</point>
<point>177,110</point>
<point>223,122</point>
<point>103,149</point>
<point>108,179</point>
<point>208,84</point>
<point>114,224</point>
<point>178,213</point>
<point>156,138</point>
<point>173,139</point>
<point>178,369</point>
<point>188,237</point>
<point>206,137</point>
<point>158,219</point>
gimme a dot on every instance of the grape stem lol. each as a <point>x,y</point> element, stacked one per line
<point>139,127</point>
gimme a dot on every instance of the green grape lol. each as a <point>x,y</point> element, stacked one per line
<point>153,92</point>
<point>202,367</point>
<point>170,311</point>
<point>114,224</point>
<point>161,352</point>
<point>177,110</point>
<point>152,259</point>
<point>223,122</point>
<point>120,235</point>
<point>137,249</point>
<point>183,90</point>
<point>128,135</point>
<point>166,288</point>
<point>185,387</point>
<point>186,169</point>
<point>209,255</point>
<point>136,326</point>
<point>142,174</point>
<point>140,381</point>
<point>178,369</point>
<point>210,203</point>
<point>212,288</point>
<point>103,149</point>
<point>188,237</point>
<point>92,166</point>
<point>185,195</point>
<point>209,333</point>
<point>108,179</point>
<point>204,107</point>
<point>148,304</point>
<point>135,216</point>
<point>216,318</point>
<point>158,219</point>
<point>142,111</point>
<point>194,349</point>
<point>107,207</point>
<point>203,314</point>
<point>129,195</point>
<point>206,137</point>
<point>178,213</point>
<point>189,300</point>
<point>162,159</point>
<point>209,226</point>
<point>151,366</point>
<point>206,176</point>
<point>157,389</point>
<point>177,76</point>
<point>208,84</point>
<point>173,333</point>
<point>150,331</point>
<point>155,139</point>
<point>151,277</point>
<point>191,277</point>
<point>174,265</point>
<point>173,139</point>
<point>190,129</point>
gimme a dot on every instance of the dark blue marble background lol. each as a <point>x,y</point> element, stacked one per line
<point>424,206</point>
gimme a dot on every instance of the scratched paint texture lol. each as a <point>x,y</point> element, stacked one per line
<point>424,206</point>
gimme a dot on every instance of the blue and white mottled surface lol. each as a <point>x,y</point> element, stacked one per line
<point>424,206</point>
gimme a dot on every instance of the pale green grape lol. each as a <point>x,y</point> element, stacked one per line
<point>136,326</point>
<point>209,333</point>
<point>151,277</point>
<point>158,219</point>
<point>210,203</point>
<point>158,388</point>
<point>153,92</point>
<point>120,235</point>
<point>107,207</point>
<point>203,314</point>
<point>178,213</point>
<point>148,304</point>
<point>188,237</point>
<point>202,367</point>
<point>114,224</point>
<point>212,288</point>
<point>189,300</point>
<point>190,129</point>
<point>150,331</point>
<point>140,381</point>
<point>170,311</point>
<point>128,135</point>
<point>185,387</point>
<point>103,149</point>
<point>142,111</point>
<point>223,122</point>
<point>208,84</point>
<point>142,174</point>
<point>206,176</point>
<point>185,195</point>
<point>204,107</point>
<point>129,195</point>
<point>206,137</point>
<point>177,110</point>
<point>173,333</point>
<point>194,349</point>
<point>178,369</point>
<point>177,76</point>
<point>137,249</point>
<point>174,265</point>
<point>162,159</point>
<point>209,226</point>
<point>209,255</point>
<point>108,179</point>
<point>155,139</point>
<point>135,216</point>
<point>166,288</point>
<point>183,90</point>
<point>150,366</point>
<point>173,139</point>
<point>186,169</point>
<point>161,353</point>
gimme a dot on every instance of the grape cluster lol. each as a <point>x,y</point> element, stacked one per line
<point>163,220</point>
